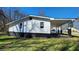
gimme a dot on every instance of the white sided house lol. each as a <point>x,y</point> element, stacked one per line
<point>36,26</point>
<point>30,25</point>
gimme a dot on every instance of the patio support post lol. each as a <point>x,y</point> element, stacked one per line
<point>61,30</point>
<point>69,31</point>
<point>70,25</point>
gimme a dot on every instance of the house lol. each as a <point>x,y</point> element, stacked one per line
<point>76,25</point>
<point>31,26</point>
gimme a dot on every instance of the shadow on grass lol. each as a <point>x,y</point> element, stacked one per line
<point>75,36</point>
<point>8,39</point>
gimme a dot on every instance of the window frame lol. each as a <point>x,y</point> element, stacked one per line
<point>41,25</point>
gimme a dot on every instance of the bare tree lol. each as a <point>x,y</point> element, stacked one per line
<point>3,20</point>
<point>8,15</point>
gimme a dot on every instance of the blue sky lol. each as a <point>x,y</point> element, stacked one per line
<point>56,12</point>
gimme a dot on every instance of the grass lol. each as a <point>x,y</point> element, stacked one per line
<point>10,43</point>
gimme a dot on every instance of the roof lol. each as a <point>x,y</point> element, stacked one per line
<point>44,17</point>
<point>57,23</point>
<point>26,18</point>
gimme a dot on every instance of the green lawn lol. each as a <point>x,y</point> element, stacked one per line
<point>9,43</point>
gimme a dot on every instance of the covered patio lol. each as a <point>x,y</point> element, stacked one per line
<point>57,26</point>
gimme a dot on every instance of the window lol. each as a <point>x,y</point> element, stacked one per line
<point>20,25</point>
<point>41,24</point>
<point>30,18</point>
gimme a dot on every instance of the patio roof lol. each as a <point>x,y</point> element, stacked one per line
<point>57,23</point>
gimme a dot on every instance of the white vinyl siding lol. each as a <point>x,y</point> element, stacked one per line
<point>32,26</point>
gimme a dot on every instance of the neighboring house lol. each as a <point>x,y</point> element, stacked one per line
<point>76,25</point>
<point>36,26</point>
